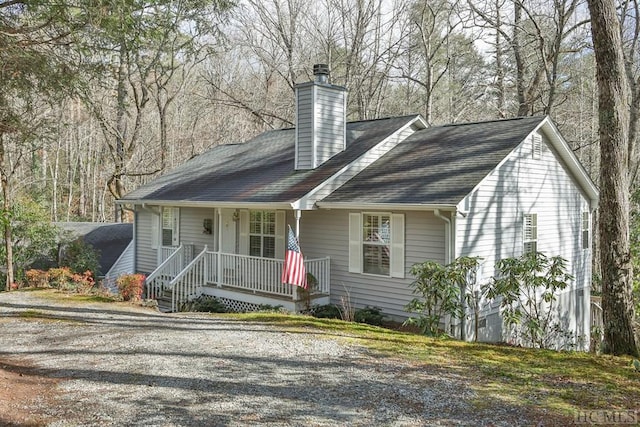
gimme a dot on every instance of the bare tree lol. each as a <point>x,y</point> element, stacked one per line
<point>614,102</point>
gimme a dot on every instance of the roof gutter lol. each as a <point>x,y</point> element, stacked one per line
<point>206,204</point>
<point>386,206</point>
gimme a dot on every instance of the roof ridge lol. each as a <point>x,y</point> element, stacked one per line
<point>491,121</point>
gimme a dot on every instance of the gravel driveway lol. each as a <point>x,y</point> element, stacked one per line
<point>125,365</point>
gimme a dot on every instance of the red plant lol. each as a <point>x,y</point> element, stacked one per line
<point>131,286</point>
<point>37,278</point>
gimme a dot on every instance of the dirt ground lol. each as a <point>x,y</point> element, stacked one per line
<point>22,393</point>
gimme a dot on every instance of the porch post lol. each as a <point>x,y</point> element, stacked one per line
<point>219,251</point>
<point>298,214</point>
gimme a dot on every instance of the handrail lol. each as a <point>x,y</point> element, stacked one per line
<point>187,281</point>
<point>156,280</point>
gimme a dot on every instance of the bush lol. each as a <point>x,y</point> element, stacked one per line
<point>37,278</point>
<point>439,289</point>
<point>130,286</point>
<point>206,304</point>
<point>528,287</point>
<point>370,315</point>
<point>80,256</point>
<point>328,311</point>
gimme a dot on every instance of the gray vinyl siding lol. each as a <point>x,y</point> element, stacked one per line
<point>304,128</point>
<point>147,257</point>
<point>320,124</point>
<point>493,226</point>
<point>326,233</point>
<point>330,123</point>
<point>192,230</point>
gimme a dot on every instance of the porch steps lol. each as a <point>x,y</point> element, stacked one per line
<point>164,301</point>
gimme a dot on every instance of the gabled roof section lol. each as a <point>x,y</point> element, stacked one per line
<point>261,170</point>
<point>110,239</point>
<point>437,166</point>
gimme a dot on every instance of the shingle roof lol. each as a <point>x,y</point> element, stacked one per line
<point>261,169</point>
<point>438,165</point>
<point>110,239</point>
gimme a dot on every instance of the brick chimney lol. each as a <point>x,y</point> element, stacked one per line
<point>320,120</point>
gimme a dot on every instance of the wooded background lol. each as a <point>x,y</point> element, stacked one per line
<point>116,92</point>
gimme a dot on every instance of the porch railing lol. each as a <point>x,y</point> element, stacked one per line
<point>243,272</point>
<point>160,278</point>
<point>185,285</point>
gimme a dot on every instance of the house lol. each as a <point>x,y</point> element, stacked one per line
<point>113,242</point>
<point>368,199</point>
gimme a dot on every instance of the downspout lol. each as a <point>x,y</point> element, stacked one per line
<point>448,257</point>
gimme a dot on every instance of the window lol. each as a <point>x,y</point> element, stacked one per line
<point>586,226</point>
<point>376,244</point>
<point>536,145</point>
<point>262,234</point>
<point>170,226</point>
<point>530,233</point>
<point>376,248</point>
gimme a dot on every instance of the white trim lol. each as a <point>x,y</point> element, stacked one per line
<point>347,172</point>
<point>384,206</point>
<point>208,204</point>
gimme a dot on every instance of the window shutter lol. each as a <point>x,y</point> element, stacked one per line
<point>355,243</point>
<point>397,246</point>
<point>155,231</point>
<point>280,234</point>
<point>536,145</point>
<point>243,244</point>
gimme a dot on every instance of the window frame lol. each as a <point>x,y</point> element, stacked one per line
<point>396,244</point>
<point>585,230</point>
<point>262,235</point>
<point>529,233</point>
<point>381,243</point>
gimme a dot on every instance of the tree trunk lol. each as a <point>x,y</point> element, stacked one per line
<point>615,257</point>
<point>6,217</point>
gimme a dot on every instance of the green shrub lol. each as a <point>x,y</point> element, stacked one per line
<point>328,311</point>
<point>528,287</point>
<point>370,315</point>
<point>80,256</point>
<point>439,289</point>
<point>130,286</point>
<point>206,304</point>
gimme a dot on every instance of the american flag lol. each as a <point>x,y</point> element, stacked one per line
<point>293,271</point>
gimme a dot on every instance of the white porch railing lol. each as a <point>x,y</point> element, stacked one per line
<point>246,273</point>
<point>160,278</point>
<point>186,283</point>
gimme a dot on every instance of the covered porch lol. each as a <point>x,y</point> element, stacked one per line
<point>241,282</point>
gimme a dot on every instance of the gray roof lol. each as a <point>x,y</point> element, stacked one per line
<point>261,169</point>
<point>438,165</point>
<point>110,239</point>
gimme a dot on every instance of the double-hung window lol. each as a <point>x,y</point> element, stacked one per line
<point>376,244</point>
<point>530,233</point>
<point>262,234</point>
<point>170,222</point>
